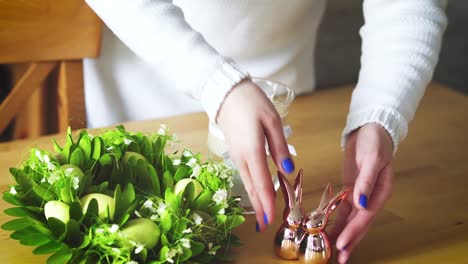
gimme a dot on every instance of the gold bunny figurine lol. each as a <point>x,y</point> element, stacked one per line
<point>315,246</point>
<point>288,236</point>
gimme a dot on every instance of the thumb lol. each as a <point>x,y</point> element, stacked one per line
<point>365,183</point>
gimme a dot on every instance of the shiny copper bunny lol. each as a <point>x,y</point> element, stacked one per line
<point>315,246</point>
<point>288,236</point>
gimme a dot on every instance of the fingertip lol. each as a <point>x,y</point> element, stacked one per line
<point>363,200</point>
<point>288,165</point>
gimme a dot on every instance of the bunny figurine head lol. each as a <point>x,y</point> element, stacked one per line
<point>293,213</point>
<point>316,220</point>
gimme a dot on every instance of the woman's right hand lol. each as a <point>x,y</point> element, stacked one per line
<point>248,118</point>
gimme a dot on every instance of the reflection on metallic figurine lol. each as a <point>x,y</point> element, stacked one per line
<point>288,237</point>
<point>315,246</point>
<point>303,237</point>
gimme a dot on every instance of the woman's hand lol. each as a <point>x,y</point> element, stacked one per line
<point>367,169</point>
<point>248,118</point>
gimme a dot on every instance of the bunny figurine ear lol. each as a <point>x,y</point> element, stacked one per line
<point>286,189</point>
<point>298,186</point>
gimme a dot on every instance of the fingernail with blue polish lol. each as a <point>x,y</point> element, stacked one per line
<point>265,219</point>
<point>363,200</point>
<point>288,165</point>
<point>257,227</point>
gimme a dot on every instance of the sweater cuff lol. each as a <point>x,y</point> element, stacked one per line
<point>387,117</point>
<point>219,85</point>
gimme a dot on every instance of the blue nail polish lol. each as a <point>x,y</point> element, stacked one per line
<point>257,227</point>
<point>288,165</point>
<point>265,219</point>
<point>363,200</point>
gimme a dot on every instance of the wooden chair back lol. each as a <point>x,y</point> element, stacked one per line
<point>46,41</point>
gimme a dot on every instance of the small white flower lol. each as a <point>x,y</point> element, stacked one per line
<point>154,217</point>
<point>210,168</point>
<point>127,141</point>
<point>76,183</point>
<point>187,153</point>
<point>176,162</point>
<point>110,148</point>
<point>196,171</point>
<point>114,228</point>
<point>192,162</point>
<point>53,177</point>
<point>139,248</point>
<point>161,208</point>
<point>116,250</point>
<point>148,204</point>
<point>187,231</point>
<point>99,230</point>
<point>132,262</point>
<point>221,211</point>
<point>162,130</point>
<point>43,179</point>
<point>170,254</point>
<point>210,250</point>
<point>46,159</point>
<point>197,218</point>
<point>39,155</point>
<point>13,190</point>
<point>220,196</point>
<point>137,214</point>
<point>185,242</point>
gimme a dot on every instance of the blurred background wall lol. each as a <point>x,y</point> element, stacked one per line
<point>339,46</point>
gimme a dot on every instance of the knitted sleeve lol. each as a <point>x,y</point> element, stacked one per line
<point>401,40</point>
<point>157,32</point>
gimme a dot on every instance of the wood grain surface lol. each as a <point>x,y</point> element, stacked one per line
<point>426,220</point>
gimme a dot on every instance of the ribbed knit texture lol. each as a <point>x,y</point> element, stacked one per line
<point>401,40</point>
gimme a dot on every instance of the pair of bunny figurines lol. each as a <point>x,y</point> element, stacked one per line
<point>302,236</point>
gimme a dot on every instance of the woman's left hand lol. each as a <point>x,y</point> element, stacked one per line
<point>368,171</point>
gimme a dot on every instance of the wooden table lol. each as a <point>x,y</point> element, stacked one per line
<point>426,221</point>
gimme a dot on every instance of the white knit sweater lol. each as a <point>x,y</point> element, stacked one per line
<point>204,48</point>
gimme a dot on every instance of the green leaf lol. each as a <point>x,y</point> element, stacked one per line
<point>34,239</point>
<point>123,200</point>
<point>25,181</point>
<point>77,158</point>
<point>154,181</point>
<point>56,226</point>
<point>163,253</point>
<point>47,248</point>
<point>74,237</point>
<point>66,194</point>
<point>86,146</point>
<point>97,148</point>
<point>57,147</point>
<point>197,248</point>
<point>221,218</point>
<point>11,198</point>
<point>166,222</point>
<point>202,202</point>
<point>75,211</point>
<point>123,219</point>
<point>60,257</point>
<point>44,193</point>
<point>17,211</point>
<point>17,224</point>
<point>168,181</point>
<point>188,195</point>
<point>164,240</point>
<point>181,173</point>
<point>186,254</point>
<point>92,212</point>
<point>234,221</point>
